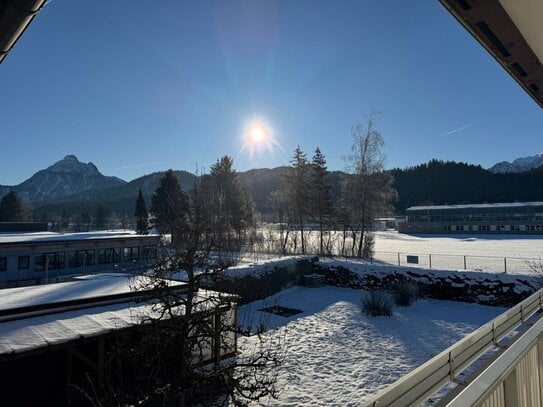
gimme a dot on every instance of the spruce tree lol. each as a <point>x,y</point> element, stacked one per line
<point>11,208</point>
<point>100,218</point>
<point>296,189</point>
<point>231,204</point>
<point>141,214</point>
<point>169,204</point>
<point>321,187</point>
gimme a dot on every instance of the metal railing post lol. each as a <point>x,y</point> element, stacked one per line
<point>430,260</point>
<point>451,367</point>
<point>46,269</point>
<point>399,259</point>
<point>465,268</point>
<point>505,264</point>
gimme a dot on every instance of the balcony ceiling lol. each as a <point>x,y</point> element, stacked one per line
<point>15,17</point>
<point>512,31</point>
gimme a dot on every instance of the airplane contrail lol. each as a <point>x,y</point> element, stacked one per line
<point>459,129</point>
<point>138,165</point>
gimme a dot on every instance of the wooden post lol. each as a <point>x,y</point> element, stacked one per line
<point>430,260</point>
<point>505,264</point>
<point>68,377</point>
<point>217,340</point>
<point>464,262</point>
<point>101,359</point>
<point>399,259</point>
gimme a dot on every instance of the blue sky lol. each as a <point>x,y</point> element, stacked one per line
<point>141,86</point>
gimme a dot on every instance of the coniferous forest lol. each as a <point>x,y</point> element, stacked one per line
<point>445,182</point>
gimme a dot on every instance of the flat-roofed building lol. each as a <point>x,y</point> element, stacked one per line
<point>516,217</point>
<point>58,338</point>
<point>32,258</point>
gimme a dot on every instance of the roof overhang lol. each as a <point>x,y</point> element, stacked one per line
<point>15,17</point>
<point>512,31</point>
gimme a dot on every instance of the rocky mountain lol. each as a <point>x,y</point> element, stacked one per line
<point>119,198</point>
<point>518,165</point>
<point>65,177</point>
<point>259,183</point>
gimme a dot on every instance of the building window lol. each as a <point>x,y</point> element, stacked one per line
<point>24,262</point>
<point>80,257</point>
<point>448,227</point>
<point>131,253</point>
<point>149,252</point>
<point>108,256</point>
<point>56,261</point>
<point>3,263</point>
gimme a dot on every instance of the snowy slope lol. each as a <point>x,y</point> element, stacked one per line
<point>336,356</point>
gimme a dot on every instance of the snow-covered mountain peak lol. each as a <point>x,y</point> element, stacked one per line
<point>65,177</point>
<point>70,164</point>
<point>518,165</point>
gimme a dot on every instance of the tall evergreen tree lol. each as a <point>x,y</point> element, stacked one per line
<point>100,218</point>
<point>321,197</point>
<point>296,188</point>
<point>169,205</point>
<point>232,206</point>
<point>11,208</point>
<point>142,216</point>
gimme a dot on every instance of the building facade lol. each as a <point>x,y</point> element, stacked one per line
<point>33,258</point>
<point>68,339</point>
<point>516,217</point>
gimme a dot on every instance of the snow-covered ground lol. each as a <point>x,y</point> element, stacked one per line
<point>482,252</point>
<point>337,356</point>
<point>526,246</point>
<point>486,252</point>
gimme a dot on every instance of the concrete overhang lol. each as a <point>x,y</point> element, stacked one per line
<point>15,17</point>
<point>512,32</point>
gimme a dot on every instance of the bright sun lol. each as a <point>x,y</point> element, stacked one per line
<point>256,133</point>
<point>258,139</point>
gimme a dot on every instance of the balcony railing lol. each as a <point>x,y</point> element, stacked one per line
<point>507,377</point>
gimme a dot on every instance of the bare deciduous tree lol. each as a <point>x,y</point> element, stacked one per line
<point>368,191</point>
<point>183,351</point>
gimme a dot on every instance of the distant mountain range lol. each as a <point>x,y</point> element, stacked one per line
<point>519,165</point>
<point>75,187</point>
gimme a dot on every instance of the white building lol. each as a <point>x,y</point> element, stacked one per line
<point>32,258</point>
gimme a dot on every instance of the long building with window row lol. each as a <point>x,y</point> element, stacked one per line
<point>32,258</point>
<point>516,217</point>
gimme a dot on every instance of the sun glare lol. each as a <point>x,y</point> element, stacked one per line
<point>256,133</point>
<point>258,138</point>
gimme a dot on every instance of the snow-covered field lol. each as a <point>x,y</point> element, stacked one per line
<point>337,356</point>
<point>526,246</point>
<point>483,252</point>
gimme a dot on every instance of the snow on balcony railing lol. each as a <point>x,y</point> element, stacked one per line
<point>426,380</point>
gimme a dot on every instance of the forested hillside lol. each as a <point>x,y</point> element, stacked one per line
<point>438,182</point>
